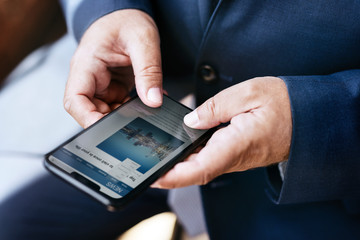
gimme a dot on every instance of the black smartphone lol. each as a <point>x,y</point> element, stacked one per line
<point>119,156</point>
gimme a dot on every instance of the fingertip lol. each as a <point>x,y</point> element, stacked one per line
<point>155,96</point>
<point>67,104</point>
<point>192,119</point>
<point>183,174</point>
<point>156,185</point>
<point>91,119</point>
<point>154,101</point>
<point>167,181</point>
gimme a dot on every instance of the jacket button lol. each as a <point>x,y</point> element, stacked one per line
<point>207,74</point>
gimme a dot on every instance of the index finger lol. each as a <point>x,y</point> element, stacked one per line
<point>146,61</point>
<point>80,90</point>
<point>76,99</point>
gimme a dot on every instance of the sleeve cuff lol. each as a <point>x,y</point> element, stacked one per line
<point>90,10</point>
<point>323,162</point>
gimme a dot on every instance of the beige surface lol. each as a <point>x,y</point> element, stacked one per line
<point>159,227</point>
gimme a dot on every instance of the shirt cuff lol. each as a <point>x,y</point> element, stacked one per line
<point>282,169</point>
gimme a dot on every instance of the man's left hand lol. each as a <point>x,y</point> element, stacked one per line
<point>259,133</point>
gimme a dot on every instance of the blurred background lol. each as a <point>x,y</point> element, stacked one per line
<point>35,52</point>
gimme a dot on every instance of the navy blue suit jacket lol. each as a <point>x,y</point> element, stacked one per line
<point>314,46</point>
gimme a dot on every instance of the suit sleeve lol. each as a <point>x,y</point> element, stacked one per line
<point>80,14</point>
<point>324,161</point>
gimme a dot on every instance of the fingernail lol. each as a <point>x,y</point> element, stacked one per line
<point>192,119</point>
<point>154,95</point>
<point>155,185</point>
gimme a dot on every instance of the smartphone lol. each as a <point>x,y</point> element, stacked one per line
<point>122,154</point>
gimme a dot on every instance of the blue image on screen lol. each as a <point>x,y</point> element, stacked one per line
<point>141,142</point>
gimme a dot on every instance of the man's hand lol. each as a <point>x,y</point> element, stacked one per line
<point>117,52</point>
<point>259,133</point>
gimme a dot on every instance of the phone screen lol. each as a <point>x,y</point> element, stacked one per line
<point>126,147</point>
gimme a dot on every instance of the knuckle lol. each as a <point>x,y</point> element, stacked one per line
<point>76,57</point>
<point>211,107</point>
<point>147,34</point>
<point>206,178</point>
<point>67,104</point>
<point>252,88</point>
<point>73,61</point>
<point>152,73</point>
<point>150,70</point>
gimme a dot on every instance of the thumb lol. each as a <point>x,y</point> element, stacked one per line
<point>240,98</point>
<point>146,61</point>
<point>213,112</point>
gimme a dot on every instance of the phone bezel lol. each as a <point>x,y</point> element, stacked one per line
<point>114,203</point>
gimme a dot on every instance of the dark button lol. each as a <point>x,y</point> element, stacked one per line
<point>208,74</point>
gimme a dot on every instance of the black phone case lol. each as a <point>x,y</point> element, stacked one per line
<point>92,189</point>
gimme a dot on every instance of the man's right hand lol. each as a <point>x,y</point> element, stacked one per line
<point>117,52</point>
